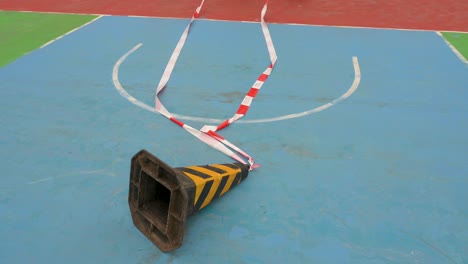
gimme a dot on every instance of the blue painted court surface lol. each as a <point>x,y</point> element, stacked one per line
<point>378,178</point>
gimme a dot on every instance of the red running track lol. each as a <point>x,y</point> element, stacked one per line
<point>443,15</point>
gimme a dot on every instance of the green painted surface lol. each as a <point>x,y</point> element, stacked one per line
<point>22,32</point>
<point>459,41</point>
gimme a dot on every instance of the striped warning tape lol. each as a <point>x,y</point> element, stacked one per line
<point>245,105</point>
<point>208,133</point>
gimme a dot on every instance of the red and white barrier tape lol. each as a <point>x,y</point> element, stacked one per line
<point>208,133</point>
<point>245,105</point>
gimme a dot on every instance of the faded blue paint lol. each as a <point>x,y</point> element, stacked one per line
<point>378,178</point>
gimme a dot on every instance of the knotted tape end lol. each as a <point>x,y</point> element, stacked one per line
<point>254,166</point>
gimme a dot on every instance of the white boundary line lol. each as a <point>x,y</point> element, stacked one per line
<point>69,32</point>
<point>133,100</point>
<point>459,55</point>
<point>58,13</point>
<point>225,20</point>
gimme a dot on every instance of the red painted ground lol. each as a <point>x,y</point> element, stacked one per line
<point>449,15</point>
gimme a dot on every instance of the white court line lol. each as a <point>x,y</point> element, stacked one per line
<point>133,100</point>
<point>459,55</point>
<point>119,87</point>
<point>257,22</point>
<point>90,172</point>
<point>57,13</point>
<point>69,32</point>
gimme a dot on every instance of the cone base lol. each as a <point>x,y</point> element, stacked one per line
<point>161,197</point>
<point>159,200</point>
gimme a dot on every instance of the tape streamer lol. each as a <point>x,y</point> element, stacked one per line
<point>207,134</point>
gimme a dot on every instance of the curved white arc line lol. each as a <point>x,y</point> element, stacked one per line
<point>198,134</point>
<point>351,90</point>
<point>118,86</point>
<point>121,90</point>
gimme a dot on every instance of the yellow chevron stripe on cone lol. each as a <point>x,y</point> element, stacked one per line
<point>161,197</point>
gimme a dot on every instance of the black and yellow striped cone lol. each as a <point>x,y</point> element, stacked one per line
<point>161,197</point>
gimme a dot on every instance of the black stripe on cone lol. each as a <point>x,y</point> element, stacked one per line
<point>161,197</point>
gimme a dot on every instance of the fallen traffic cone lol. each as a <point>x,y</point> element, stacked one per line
<point>161,197</point>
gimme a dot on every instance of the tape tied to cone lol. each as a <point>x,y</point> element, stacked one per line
<point>208,134</point>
